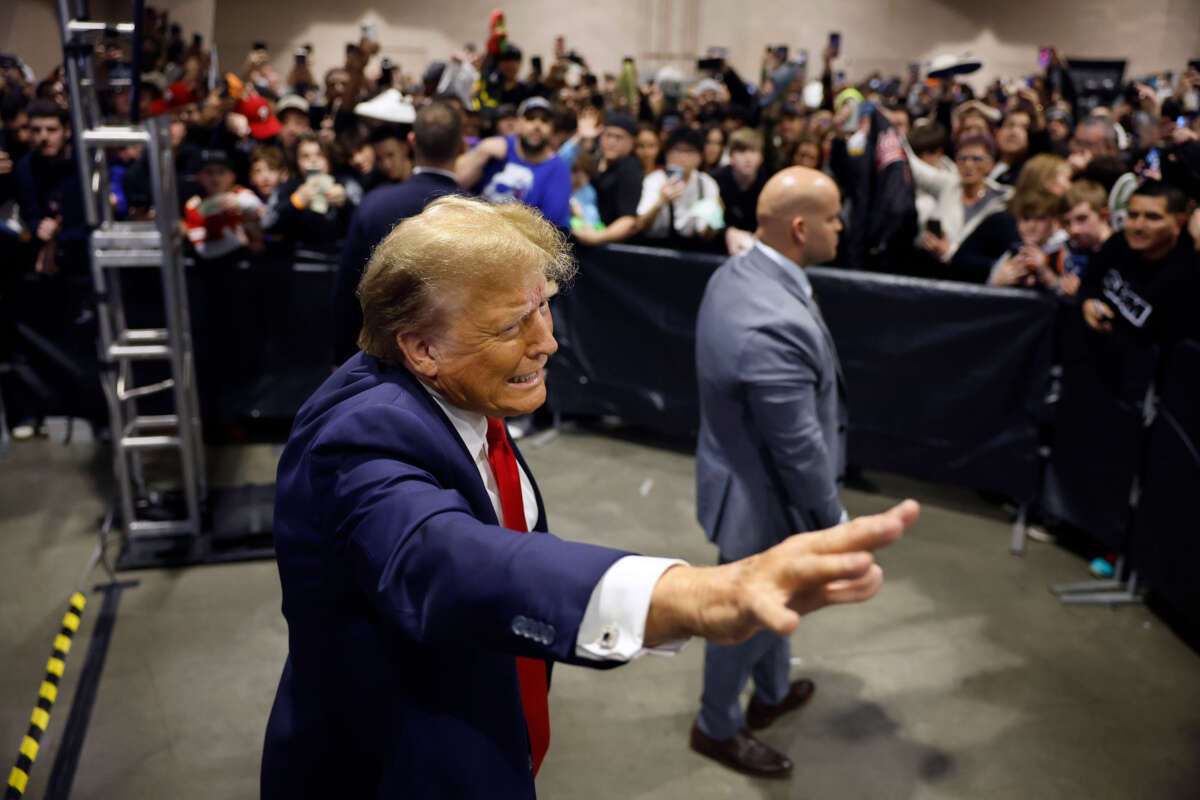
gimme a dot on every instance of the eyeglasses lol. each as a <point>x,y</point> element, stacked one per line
<point>965,159</point>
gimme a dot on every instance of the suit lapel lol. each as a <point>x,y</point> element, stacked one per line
<point>780,275</point>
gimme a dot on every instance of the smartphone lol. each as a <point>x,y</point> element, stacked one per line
<point>835,43</point>
<point>259,46</point>
<point>589,80</point>
<point>674,172</point>
<point>670,122</point>
<point>536,61</point>
<point>560,46</point>
<point>1043,57</point>
<point>1181,122</point>
<point>934,226</point>
<point>914,69</point>
<point>197,39</point>
<point>710,64</point>
<point>1153,160</point>
<point>368,31</point>
<point>301,57</point>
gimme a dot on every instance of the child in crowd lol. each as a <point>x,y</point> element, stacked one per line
<point>584,211</point>
<point>1041,255</point>
<point>315,207</point>
<point>224,217</point>
<point>1086,223</point>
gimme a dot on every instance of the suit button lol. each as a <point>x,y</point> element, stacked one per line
<point>841,428</point>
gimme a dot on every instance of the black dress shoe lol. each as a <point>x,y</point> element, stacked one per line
<point>759,715</point>
<point>743,753</point>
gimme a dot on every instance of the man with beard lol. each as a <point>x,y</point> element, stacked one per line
<point>1145,282</point>
<point>522,167</point>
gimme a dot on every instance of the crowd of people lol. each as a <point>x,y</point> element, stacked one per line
<point>1033,182</point>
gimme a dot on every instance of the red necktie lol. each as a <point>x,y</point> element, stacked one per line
<point>531,672</point>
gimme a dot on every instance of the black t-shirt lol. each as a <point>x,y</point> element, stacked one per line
<point>1154,301</point>
<point>618,190</point>
<point>741,205</point>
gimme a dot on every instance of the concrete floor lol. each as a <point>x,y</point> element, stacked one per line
<point>964,678</point>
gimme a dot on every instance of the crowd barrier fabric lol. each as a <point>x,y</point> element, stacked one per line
<point>944,379</point>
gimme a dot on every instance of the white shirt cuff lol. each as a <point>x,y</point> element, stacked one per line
<point>614,625</point>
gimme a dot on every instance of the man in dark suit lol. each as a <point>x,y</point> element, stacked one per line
<point>772,441</point>
<point>421,616</point>
<point>436,139</point>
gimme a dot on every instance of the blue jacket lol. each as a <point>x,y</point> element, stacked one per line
<point>406,603</point>
<point>381,210</point>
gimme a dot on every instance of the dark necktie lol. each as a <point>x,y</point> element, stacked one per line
<point>531,672</point>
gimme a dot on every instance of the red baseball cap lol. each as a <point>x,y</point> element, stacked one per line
<point>176,95</point>
<point>263,124</point>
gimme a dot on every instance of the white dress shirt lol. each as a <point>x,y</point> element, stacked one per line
<point>613,627</point>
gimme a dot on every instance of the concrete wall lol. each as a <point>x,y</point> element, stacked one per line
<point>877,34</point>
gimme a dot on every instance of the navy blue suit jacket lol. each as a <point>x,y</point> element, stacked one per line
<point>380,211</point>
<point>406,603</point>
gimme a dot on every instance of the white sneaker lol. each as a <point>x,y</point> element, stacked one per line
<point>1039,534</point>
<point>23,432</point>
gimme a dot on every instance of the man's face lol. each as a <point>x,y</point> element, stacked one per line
<point>391,156</point>
<point>615,143</point>
<point>534,130</point>
<point>1086,227</point>
<point>746,163</point>
<point>292,123</point>
<point>1090,139</point>
<point>509,68</point>
<point>264,178</point>
<point>18,129</point>
<point>48,136</point>
<point>1149,228</point>
<point>335,85</point>
<point>215,179</point>
<point>791,128</point>
<point>491,356</point>
<point>822,226</point>
<point>684,157</point>
<point>507,126</point>
<point>1013,136</point>
<point>1058,130</point>
<point>363,159</point>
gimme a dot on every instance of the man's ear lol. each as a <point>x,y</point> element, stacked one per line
<point>799,231</point>
<point>420,354</point>
<point>411,141</point>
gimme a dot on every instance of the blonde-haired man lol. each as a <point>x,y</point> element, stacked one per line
<point>422,617</point>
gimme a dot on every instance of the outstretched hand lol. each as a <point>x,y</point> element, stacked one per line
<point>774,589</point>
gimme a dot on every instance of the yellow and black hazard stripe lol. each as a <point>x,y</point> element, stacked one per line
<point>47,694</point>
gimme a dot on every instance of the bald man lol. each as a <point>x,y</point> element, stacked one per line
<point>772,442</point>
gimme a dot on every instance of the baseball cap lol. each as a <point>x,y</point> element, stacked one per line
<point>177,95</point>
<point>211,155</point>
<point>291,102</point>
<point>263,124</point>
<point>619,119</point>
<point>533,103</point>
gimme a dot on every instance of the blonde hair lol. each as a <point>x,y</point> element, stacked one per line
<point>1088,192</point>
<point>1037,172</point>
<point>456,244</point>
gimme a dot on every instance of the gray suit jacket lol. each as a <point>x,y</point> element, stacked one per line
<point>772,445</point>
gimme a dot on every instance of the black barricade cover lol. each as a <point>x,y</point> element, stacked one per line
<point>1166,537</point>
<point>944,378</point>
<point>626,332</point>
<point>1098,431</point>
